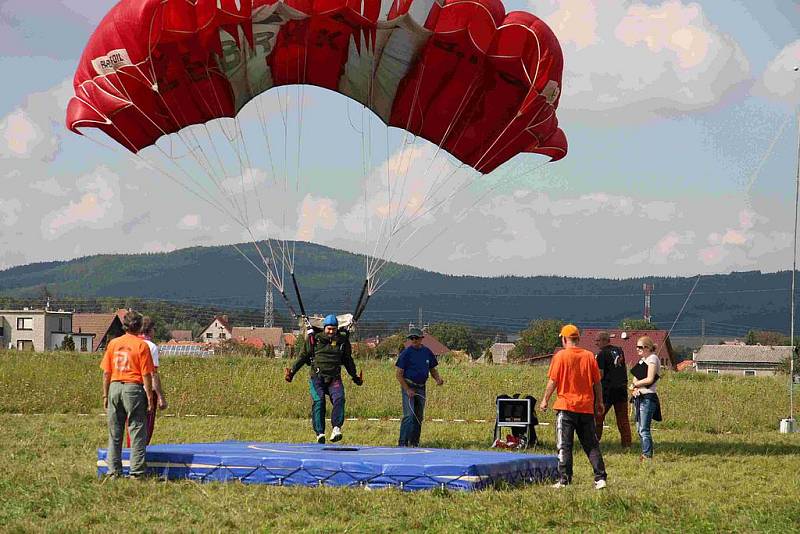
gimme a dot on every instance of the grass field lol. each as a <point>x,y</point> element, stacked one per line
<point>720,463</point>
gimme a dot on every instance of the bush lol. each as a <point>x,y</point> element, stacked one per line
<point>68,343</point>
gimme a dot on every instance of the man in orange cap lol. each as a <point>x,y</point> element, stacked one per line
<point>575,375</point>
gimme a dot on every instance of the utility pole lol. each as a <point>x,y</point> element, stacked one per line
<point>702,332</point>
<point>648,290</point>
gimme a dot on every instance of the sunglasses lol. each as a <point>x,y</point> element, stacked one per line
<point>412,338</point>
<point>639,347</point>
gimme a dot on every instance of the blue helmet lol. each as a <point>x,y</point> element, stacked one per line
<point>330,320</point>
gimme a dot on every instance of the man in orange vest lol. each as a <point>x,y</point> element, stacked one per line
<point>575,375</point>
<point>127,395</point>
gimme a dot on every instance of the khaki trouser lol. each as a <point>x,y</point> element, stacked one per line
<point>126,402</point>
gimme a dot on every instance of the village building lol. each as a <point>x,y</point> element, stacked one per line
<point>102,326</point>
<point>260,337</point>
<point>500,352</point>
<point>437,347</point>
<point>181,335</point>
<point>626,340</point>
<point>741,360</point>
<point>34,329</point>
<point>219,330</point>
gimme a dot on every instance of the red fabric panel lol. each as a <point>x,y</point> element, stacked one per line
<point>479,87</point>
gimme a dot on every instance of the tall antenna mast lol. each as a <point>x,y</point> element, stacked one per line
<point>787,425</point>
<point>648,290</point>
<point>269,306</point>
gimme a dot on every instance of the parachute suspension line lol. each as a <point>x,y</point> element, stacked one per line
<point>263,122</point>
<point>206,163</point>
<point>752,178</point>
<point>456,117</point>
<point>445,228</point>
<point>171,157</point>
<point>678,316</point>
<point>137,158</point>
<point>464,185</point>
<point>239,146</point>
<point>388,215</point>
<point>271,279</point>
<point>406,143</point>
<point>301,93</point>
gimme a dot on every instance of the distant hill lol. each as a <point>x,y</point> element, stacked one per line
<point>331,280</point>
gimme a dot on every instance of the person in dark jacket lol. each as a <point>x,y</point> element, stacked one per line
<point>326,352</point>
<point>614,379</point>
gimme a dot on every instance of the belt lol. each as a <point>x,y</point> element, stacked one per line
<point>124,382</point>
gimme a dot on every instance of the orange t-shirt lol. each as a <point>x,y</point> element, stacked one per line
<point>127,358</point>
<point>575,371</point>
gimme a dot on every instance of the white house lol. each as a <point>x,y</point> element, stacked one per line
<point>31,329</point>
<point>219,330</point>
<point>500,352</point>
<point>742,360</point>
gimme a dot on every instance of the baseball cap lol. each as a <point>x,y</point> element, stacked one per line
<point>570,330</point>
<point>415,332</point>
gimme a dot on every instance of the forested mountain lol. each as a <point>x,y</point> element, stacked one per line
<point>331,281</point>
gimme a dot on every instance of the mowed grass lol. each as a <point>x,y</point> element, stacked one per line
<point>720,463</point>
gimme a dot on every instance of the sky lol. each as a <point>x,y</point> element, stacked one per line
<point>682,120</point>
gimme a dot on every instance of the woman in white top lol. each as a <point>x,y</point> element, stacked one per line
<point>645,399</point>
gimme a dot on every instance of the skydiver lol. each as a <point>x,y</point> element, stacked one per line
<point>325,352</point>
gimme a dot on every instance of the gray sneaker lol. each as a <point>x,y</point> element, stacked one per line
<point>321,439</point>
<point>600,484</point>
<point>559,485</point>
<point>336,434</point>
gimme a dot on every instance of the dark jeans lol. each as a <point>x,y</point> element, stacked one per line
<point>332,387</point>
<point>126,401</point>
<point>623,422</point>
<point>413,415</point>
<point>645,407</point>
<point>567,425</point>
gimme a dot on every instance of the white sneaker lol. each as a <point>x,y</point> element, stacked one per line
<point>336,434</point>
<point>600,484</point>
<point>559,485</point>
<point>321,438</point>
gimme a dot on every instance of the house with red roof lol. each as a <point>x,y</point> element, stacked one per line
<point>260,337</point>
<point>218,330</point>
<point>437,347</point>
<point>103,326</point>
<point>626,339</point>
<point>181,335</point>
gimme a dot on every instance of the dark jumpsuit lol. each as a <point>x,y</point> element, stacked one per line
<point>326,356</point>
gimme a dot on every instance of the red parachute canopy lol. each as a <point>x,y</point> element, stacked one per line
<point>482,84</point>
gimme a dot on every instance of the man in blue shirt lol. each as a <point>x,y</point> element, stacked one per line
<point>412,368</point>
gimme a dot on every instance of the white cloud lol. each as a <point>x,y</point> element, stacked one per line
<point>50,186</point>
<point>190,221</point>
<point>33,130</point>
<point>9,211</point>
<point>314,214</point>
<point>643,60</point>
<point>98,206</point>
<point>780,80</point>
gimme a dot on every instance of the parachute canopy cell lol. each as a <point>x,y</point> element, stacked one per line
<point>480,83</point>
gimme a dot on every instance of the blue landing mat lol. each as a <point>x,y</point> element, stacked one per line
<point>295,464</point>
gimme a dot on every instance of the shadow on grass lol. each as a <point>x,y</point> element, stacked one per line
<point>727,449</point>
<point>683,448</point>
